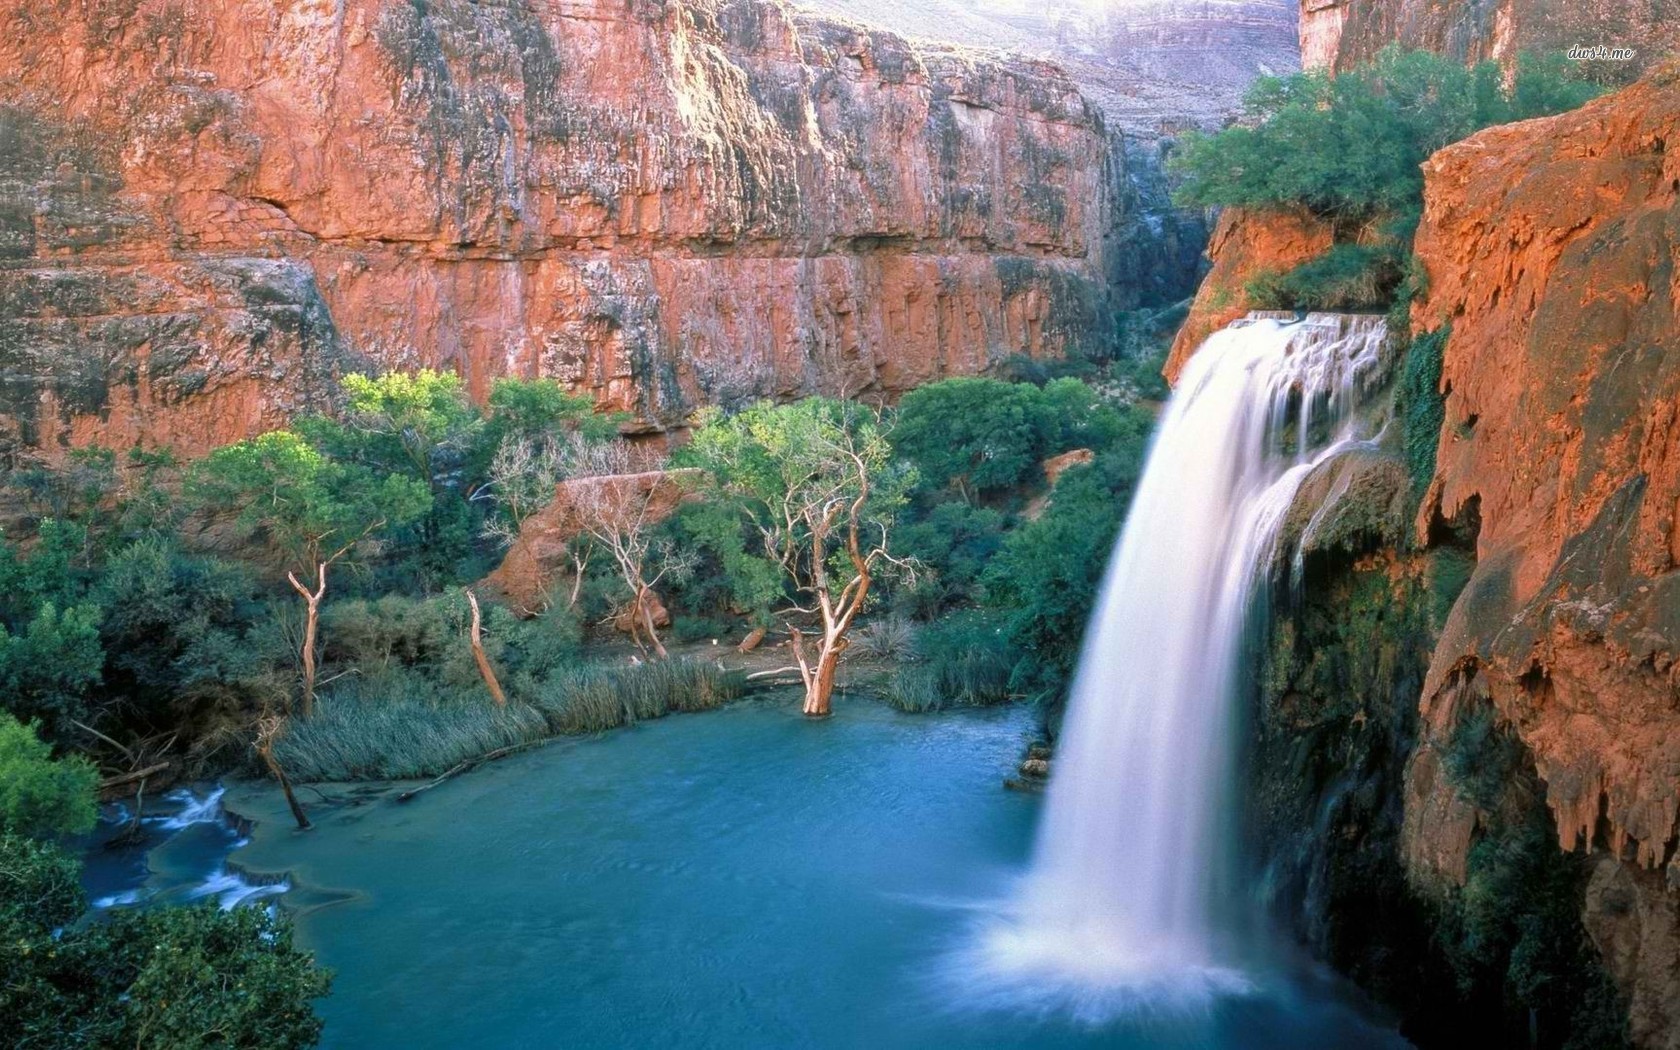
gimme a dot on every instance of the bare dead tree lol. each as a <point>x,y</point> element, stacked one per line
<point>612,495</point>
<point>269,729</point>
<point>475,637</point>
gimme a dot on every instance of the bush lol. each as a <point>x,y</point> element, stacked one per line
<point>985,436</point>
<point>1044,581</point>
<point>1347,277</point>
<point>1349,147</point>
<point>892,639</point>
<point>39,797</point>
<point>154,979</point>
<point>963,661</point>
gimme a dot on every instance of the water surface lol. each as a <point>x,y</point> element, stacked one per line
<point>740,878</point>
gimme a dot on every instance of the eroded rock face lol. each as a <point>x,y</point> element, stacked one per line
<point>1245,244</point>
<point>1342,34</point>
<point>540,558</point>
<point>208,208</point>
<point>1551,249</point>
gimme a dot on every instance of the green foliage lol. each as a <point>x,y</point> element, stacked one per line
<point>283,492</point>
<point>417,423</point>
<point>777,470</point>
<point>956,541</point>
<point>182,632</point>
<point>399,724</point>
<point>1044,580</point>
<point>985,436</point>
<point>1348,277</point>
<point>1421,406</point>
<point>1348,147</point>
<point>153,979</point>
<point>965,660</point>
<point>40,797</point>
<point>540,408</point>
<point>48,669</point>
<point>1449,572</point>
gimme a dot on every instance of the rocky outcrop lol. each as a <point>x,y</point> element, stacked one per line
<point>1245,244</point>
<point>1341,34</point>
<point>1550,249</point>
<point>540,556</point>
<point>209,208</point>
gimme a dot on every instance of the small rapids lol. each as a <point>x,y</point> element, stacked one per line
<point>199,834</point>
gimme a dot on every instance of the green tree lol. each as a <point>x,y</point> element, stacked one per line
<point>308,509</point>
<point>40,797</point>
<point>152,979</point>
<point>1348,149</point>
<point>48,668</point>
<point>817,487</point>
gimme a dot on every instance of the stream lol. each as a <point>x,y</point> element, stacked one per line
<point>741,878</point>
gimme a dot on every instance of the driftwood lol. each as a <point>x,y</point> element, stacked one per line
<point>129,778</point>
<point>468,766</point>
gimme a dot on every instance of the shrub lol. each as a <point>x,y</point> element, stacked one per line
<point>1347,277</point>
<point>1349,147</point>
<point>891,639</point>
<point>963,661</point>
<point>177,978</point>
<point>39,797</point>
<point>1044,581</point>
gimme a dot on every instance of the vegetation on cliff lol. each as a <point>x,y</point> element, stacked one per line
<point>1348,150</point>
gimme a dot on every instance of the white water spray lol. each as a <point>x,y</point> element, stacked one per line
<point>1135,849</point>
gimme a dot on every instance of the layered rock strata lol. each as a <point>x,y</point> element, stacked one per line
<point>209,208</point>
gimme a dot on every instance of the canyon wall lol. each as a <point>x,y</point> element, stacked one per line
<point>1340,34</point>
<point>211,208</point>
<point>1552,255</point>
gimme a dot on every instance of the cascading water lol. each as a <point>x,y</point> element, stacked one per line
<point>1135,848</point>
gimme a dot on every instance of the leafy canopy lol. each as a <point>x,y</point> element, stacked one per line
<point>40,797</point>
<point>1349,147</point>
<point>306,507</point>
<point>780,469</point>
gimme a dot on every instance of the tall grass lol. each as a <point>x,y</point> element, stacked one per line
<point>401,726</point>
<point>965,661</point>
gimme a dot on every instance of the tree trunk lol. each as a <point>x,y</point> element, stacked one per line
<point>644,610</point>
<point>267,753</point>
<point>311,622</point>
<point>819,686</point>
<point>485,671</point>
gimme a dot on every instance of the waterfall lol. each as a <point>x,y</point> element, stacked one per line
<point>1134,853</point>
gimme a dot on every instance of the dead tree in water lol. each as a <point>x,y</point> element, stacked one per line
<point>269,730</point>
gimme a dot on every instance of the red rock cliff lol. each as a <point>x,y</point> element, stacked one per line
<point>1552,249</point>
<point>208,208</point>
<point>1342,34</point>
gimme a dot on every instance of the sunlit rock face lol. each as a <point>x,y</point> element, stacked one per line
<point>1550,249</point>
<point>1246,243</point>
<point>1342,34</point>
<point>208,209</point>
<point>1155,68</point>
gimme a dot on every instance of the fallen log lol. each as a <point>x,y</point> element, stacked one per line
<point>467,766</point>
